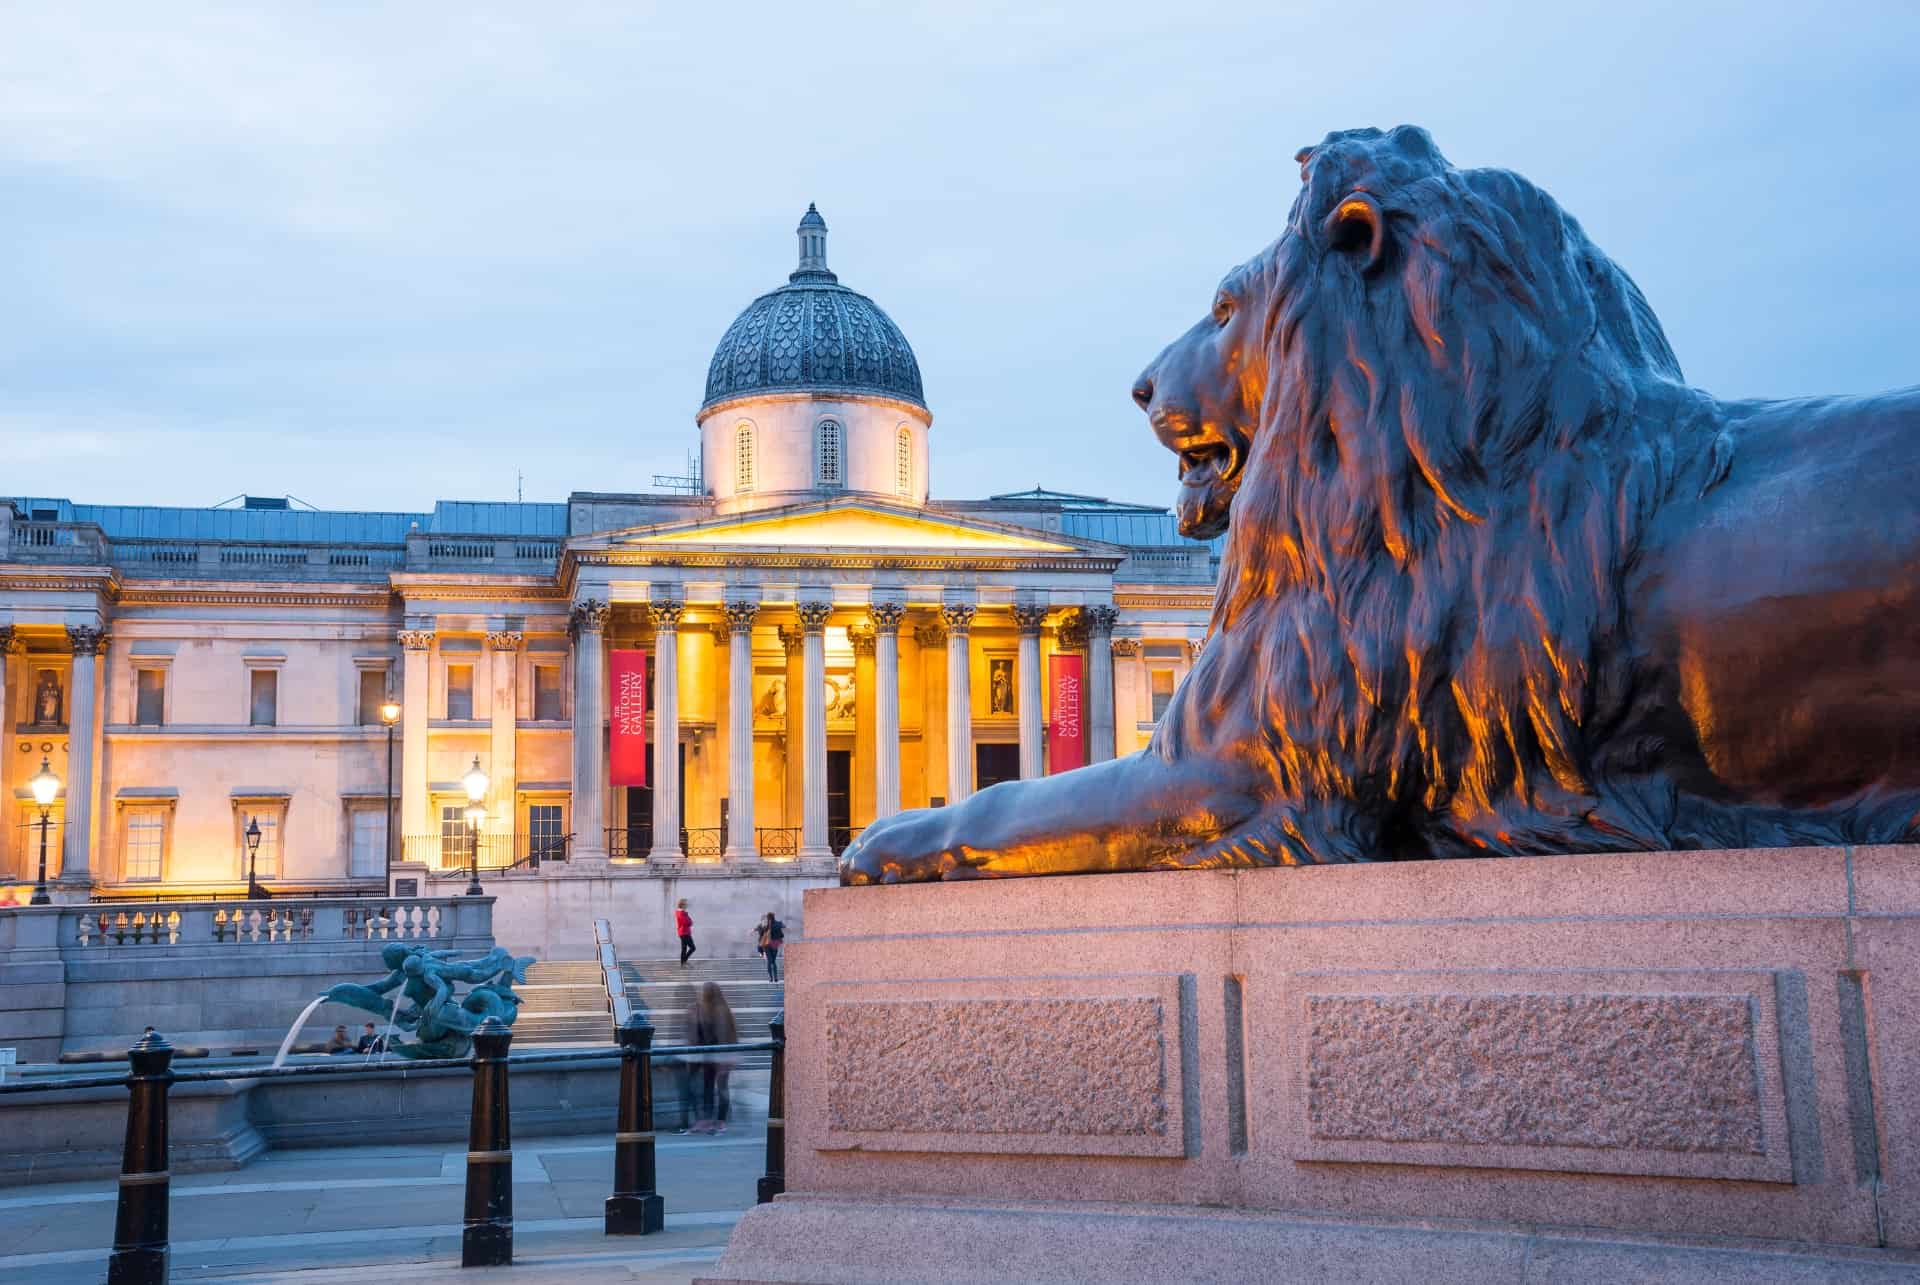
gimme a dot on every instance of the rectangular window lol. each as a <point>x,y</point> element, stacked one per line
<point>453,835</point>
<point>1162,680</point>
<point>546,692</point>
<point>149,697</point>
<point>543,829</point>
<point>146,838</point>
<point>266,864</point>
<point>264,697</point>
<point>373,694</point>
<point>460,691</point>
<point>369,849</point>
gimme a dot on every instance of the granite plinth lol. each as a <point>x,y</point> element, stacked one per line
<point>1656,1049</point>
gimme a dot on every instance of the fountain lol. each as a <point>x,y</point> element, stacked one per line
<point>440,1019</point>
<point>293,1032</point>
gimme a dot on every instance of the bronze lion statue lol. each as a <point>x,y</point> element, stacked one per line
<point>1496,580</point>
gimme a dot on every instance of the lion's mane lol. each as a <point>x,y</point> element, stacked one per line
<point>1455,458</point>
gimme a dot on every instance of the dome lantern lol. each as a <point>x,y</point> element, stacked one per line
<point>813,248</point>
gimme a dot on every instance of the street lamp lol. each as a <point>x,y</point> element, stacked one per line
<point>476,782</point>
<point>389,714</point>
<point>45,786</point>
<point>254,891</point>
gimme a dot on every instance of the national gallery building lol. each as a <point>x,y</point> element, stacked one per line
<point>724,678</point>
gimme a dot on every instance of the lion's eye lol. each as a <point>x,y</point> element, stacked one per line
<point>1222,309</point>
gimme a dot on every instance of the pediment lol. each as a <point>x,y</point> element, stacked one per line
<point>844,525</point>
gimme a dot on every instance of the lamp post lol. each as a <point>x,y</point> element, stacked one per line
<point>476,782</point>
<point>389,714</point>
<point>254,890</point>
<point>45,786</point>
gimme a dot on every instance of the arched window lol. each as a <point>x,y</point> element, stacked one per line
<point>827,454</point>
<point>903,461</point>
<point>743,458</point>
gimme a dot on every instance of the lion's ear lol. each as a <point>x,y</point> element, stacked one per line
<point>1357,225</point>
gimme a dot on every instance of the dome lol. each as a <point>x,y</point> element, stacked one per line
<point>813,335</point>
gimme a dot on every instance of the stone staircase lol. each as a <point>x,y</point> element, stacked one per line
<point>566,1002</point>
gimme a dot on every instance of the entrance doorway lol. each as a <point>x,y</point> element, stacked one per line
<point>839,799</point>
<point>636,838</point>
<point>993,764</point>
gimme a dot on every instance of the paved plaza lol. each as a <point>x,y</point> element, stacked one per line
<point>323,1215</point>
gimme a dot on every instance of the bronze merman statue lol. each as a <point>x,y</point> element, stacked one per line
<point>1496,580</point>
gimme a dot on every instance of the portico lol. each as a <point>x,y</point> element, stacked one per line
<point>982,605</point>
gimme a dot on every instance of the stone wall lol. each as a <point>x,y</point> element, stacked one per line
<point>550,915</point>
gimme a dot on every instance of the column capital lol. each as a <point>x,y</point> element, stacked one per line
<point>416,639</point>
<point>814,616</point>
<point>86,640</point>
<point>958,617</point>
<point>863,638</point>
<point>1195,646</point>
<point>1029,616</point>
<point>1073,631</point>
<point>740,616</point>
<point>589,615</point>
<point>1126,646</point>
<point>930,634</point>
<point>1101,619</point>
<point>792,639</point>
<point>666,615</point>
<point>718,629</point>
<point>885,617</point>
<point>506,640</point>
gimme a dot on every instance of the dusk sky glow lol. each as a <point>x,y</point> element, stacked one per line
<point>375,255</point>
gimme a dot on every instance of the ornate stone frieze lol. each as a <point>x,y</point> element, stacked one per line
<point>666,614</point>
<point>86,640</point>
<point>958,617</point>
<point>587,616</point>
<point>885,617</point>
<point>506,640</point>
<point>416,639</point>
<point>863,639</point>
<point>814,616</point>
<point>1100,620</point>
<point>1028,617</point>
<point>1126,646</point>
<point>740,616</point>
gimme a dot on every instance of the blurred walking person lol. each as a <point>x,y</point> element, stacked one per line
<point>712,1023</point>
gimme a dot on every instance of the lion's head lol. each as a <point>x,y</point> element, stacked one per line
<point>1415,415</point>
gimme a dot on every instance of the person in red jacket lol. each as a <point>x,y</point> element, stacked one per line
<point>683,924</point>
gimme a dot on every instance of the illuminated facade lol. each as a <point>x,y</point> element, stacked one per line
<point>823,645</point>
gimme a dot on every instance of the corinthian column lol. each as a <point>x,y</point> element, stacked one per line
<point>413,737</point>
<point>83,735</point>
<point>1100,733</point>
<point>813,813</point>
<point>503,712</point>
<point>741,845</point>
<point>1029,617</point>
<point>959,619</point>
<point>7,865</point>
<point>666,731</point>
<point>886,618</point>
<point>588,625</point>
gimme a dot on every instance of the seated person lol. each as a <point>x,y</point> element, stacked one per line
<point>340,1043</point>
<point>370,1041</point>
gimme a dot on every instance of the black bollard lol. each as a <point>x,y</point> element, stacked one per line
<point>487,1240</point>
<point>140,1224</point>
<point>775,1180</point>
<point>634,1208</point>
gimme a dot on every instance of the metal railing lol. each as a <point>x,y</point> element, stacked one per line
<point>777,841</point>
<point>494,851</point>
<point>631,842</point>
<point>141,1238</point>
<point>841,837</point>
<point>704,843</point>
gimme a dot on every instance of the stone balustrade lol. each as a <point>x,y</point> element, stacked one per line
<point>88,929</point>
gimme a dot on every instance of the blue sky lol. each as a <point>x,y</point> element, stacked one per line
<point>375,255</point>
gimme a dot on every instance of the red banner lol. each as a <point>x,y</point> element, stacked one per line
<point>1066,747</point>
<point>627,718</point>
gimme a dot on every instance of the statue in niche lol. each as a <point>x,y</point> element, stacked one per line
<point>1496,581</point>
<point>48,700</point>
<point>1000,687</point>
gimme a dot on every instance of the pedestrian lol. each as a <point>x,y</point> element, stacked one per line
<point>711,1022</point>
<point>773,935</point>
<point>370,1041</point>
<point>339,1043</point>
<point>683,924</point>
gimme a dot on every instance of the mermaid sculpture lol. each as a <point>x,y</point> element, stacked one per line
<point>441,1021</point>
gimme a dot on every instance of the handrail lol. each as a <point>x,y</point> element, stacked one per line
<point>359,1067</point>
<point>617,1003</point>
